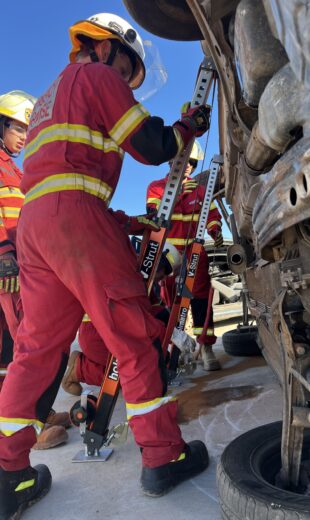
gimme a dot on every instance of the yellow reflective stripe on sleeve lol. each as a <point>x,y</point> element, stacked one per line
<point>11,192</point>
<point>10,212</point>
<point>152,200</point>
<point>185,218</point>
<point>213,223</point>
<point>70,181</point>
<point>212,206</point>
<point>147,407</point>
<point>3,371</point>
<point>179,140</point>
<point>10,425</point>
<point>74,134</point>
<point>86,318</point>
<point>128,122</point>
<point>198,330</point>
<point>180,241</point>
<point>25,485</point>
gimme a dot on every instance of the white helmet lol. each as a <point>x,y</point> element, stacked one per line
<point>106,26</point>
<point>197,152</point>
<point>173,257</point>
<point>17,105</point>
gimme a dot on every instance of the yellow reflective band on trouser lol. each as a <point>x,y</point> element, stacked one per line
<point>213,223</point>
<point>185,218</point>
<point>128,122</point>
<point>10,425</point>
<point>11,192</point>
<point>67,182</point>
<point>180,241</point>
<point>9,212</point>
<point>25,485</point>
<point>147,407</point>
<point>198,330</point>
<point>73,134</point>
<point>86,318</point>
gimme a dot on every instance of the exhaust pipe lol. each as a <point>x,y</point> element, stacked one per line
<point>284,106</point>
<point>236,258</point>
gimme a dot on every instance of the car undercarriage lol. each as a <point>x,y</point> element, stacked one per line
<point>261,51</point>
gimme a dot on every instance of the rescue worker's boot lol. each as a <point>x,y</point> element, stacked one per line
<point>58,419</point>
<point>158,481</point>
<point>209,360</point>
<point>70,382</point>
<point>50,437</point>
<point>22,489</point>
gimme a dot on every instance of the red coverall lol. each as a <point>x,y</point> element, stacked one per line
<point>11,200</point>
<point>91,364</point>
<point>184,223</point>
<point>74,256</point>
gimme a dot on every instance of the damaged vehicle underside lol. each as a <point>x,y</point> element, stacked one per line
<point>261,51</point>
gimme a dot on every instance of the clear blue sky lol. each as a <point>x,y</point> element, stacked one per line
<point>35,47</point>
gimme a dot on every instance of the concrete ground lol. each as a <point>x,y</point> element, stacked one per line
<point>214,407</point>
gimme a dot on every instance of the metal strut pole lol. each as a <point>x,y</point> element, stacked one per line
<point>153,242</point>
<point>184,295</point>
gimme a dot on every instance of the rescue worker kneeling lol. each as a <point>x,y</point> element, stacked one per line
<point>75,257</point>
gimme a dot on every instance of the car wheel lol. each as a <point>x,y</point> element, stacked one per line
<point>241,342</point>
<point>170,19</point>
<point>246,477</point>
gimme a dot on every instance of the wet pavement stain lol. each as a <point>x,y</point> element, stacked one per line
<point>196,401</point>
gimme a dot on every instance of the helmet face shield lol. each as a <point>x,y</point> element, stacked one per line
<point>197,153</point>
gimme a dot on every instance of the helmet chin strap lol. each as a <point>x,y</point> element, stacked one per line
<point>11,154</point>
<point>115,45</point>
<point>2,145</point>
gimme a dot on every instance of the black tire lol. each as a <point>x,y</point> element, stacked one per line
<point>245,476</point>
<point>241,342</point>
<point>170,19</point>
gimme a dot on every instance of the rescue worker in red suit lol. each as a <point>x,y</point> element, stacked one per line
<point>184,223</point>
<point>15,110</point>
<point>89,365</point>
<point>75,257</point>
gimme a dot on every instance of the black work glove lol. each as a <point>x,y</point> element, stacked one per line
<point>9,273</point>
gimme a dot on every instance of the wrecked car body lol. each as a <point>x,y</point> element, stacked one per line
<point>261,51</point>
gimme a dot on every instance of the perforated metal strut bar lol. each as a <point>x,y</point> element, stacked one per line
<point>184,295</point>
<point>153,242</point>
